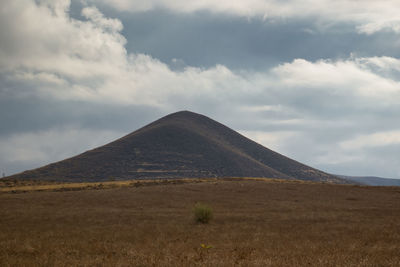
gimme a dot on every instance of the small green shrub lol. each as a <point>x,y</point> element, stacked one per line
<point>202,213</point>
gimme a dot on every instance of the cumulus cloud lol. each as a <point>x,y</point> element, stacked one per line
<point>338,76</point>
<point>93,14</point>
<point>87,60</point>
<point>369,16</point>
<point>294,106</point>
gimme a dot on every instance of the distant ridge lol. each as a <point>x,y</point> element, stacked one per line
<point>372,180</point>
<point>182,144</point>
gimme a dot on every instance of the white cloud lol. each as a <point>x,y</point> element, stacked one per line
<point>369,15</point>
<point>87,60</point>
<point>352,76</point>
<point>98,18</point>
<point>50,54</point>
<point>382,65</point>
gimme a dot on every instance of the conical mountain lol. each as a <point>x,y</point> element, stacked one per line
<point>182,144</point>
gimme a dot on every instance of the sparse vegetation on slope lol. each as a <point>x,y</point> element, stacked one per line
<point>180,145</point>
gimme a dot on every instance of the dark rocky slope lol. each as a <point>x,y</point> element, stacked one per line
<point>182,144</point>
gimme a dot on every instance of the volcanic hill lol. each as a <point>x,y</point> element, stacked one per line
<point>182,144</point>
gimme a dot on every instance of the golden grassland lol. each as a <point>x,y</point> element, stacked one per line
<point>24,186</point>
<point>260,222</point>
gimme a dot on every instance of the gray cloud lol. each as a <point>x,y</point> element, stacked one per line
<point>370,17</point>
<point>204,39</point>
<point>34,114</point>
<point>36,148</point>
<point>89,76</point>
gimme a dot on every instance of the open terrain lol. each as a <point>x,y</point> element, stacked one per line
<point>256,223</point>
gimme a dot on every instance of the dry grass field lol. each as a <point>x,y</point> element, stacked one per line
<point>256,223</point>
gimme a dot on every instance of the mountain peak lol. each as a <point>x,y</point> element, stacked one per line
<point>182,144</point>
<point>186,120</point>
<point>184,114</point>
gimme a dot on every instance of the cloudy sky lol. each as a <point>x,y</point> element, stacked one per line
<point>316,80</point>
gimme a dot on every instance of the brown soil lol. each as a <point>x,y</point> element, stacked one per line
<point>256,223</point>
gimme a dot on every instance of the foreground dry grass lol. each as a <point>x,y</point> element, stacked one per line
<point>256,223</point>
<point>24,186</point>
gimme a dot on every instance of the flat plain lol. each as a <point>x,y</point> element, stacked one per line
<point>256,223</point>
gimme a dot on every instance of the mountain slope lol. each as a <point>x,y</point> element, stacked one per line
<point>182,144</point>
